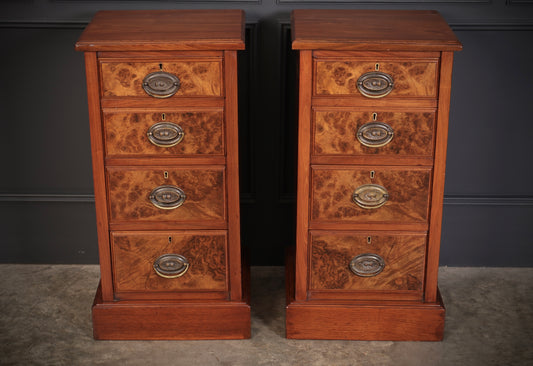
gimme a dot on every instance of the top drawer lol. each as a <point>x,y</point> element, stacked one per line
<point>161,79</point>
<point>376,76</point>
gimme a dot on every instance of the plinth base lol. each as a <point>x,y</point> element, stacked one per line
<point>377,322</point>
<point>148,320</point>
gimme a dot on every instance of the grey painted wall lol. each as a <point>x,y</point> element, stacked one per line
<point>46,196</point>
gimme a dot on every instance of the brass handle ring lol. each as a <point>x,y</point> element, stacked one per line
<point>370,196</point>
<point>367,265</point>
<point>375,134</point>
<point>167,197</point>
<point>171,265</point>
<point>375,84</point>
<point>161,84</point>
<point>165,134</point>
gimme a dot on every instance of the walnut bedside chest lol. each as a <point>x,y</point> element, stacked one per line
<point>374,94</point>
<point>162,91</point>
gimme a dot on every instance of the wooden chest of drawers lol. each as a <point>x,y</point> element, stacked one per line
<point>374,93</point>
<point>162,90</point>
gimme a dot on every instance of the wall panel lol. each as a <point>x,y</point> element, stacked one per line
<point>46,201</point>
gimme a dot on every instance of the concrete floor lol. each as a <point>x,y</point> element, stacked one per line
<point>45,319</point>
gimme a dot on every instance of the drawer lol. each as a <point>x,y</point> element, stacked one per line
<point>171,133</point>
<point>150,194</point>
<point>399,78</point>
<point>383,194</point>
<point>168,262</point>
<point>367,264</point>
<point>181,78</point>
<point>382,133</point>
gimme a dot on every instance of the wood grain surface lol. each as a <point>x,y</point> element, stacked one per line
<point>303,189</point>
<point>347,29</point>
<point>197,78</point>
<point>403,254</point>
<point>411,78</point>
<point>162,30</point>
<point>368,322</point>
<point>99,178</point>
<point>126,133</point>
<point>361,320</point>
<point>401,302</point>
<point>150,320</point>
<point>237,277</point>
<point>129,190</point>
<point>335,133</point>
<point>439,180</point>
<point>211,299</point>
<point>134,254</point>
<point>332,190</point>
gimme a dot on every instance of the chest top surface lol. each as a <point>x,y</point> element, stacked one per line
<point>379,30</point>
<point>164,30</point>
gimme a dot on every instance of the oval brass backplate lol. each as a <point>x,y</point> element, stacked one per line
<point>161,84</point>
<point>167,197</point>
<point>375,134</point>
<point>165,134</point>
<point>375,84</point>
<point>367,265</point>
<point>370,196</point>
<point>171,265</point>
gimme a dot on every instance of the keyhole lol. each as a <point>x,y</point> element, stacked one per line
<point>369,240</point>
<point>165,174</point>
<point>169,239</point>
<point>377,67</point>
<point>163,116</point>
<point>161,67</point>
<point>374,116</point>
<point>372,174</point>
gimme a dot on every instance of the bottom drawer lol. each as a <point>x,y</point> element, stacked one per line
<point>358,265</point>
<point>169,264</point>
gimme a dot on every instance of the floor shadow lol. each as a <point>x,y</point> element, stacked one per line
<point>268,298</point>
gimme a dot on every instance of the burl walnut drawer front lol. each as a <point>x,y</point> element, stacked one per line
<point>151,262</point>
<point>376,263</point>
<point>166,194</point>
<point>161,79</point>
<point>370,195</point>
<point>164,133</point>
<point>376,77</point>
<point>351,132</point>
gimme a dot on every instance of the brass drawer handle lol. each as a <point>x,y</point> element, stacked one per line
<point>167,197</point>
<point>161,84</point>
<point>367,265</point>
<point>375,134</point>
<point>171,265</point>
<point>165,134</point>
<point>375,84</point>
<point>370,196</point>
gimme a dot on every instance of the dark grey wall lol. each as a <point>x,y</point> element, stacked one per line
<point>46,201</point>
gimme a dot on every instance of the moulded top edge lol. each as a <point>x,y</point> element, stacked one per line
<point>374,46</point>
<point>163,30</point>
<point>153,46</point>
<point>380,30</point>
